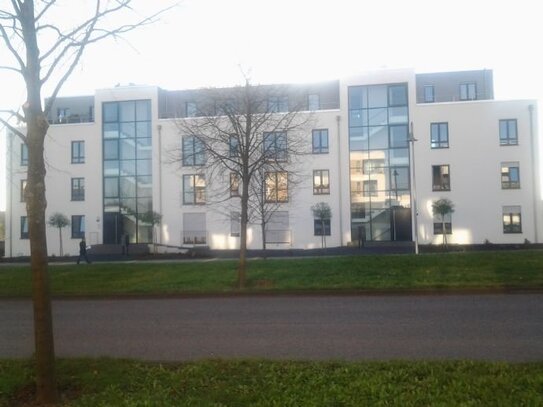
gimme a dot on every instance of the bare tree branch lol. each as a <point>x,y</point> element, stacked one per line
<point>13,129</point>
<point>13,113</point>
<point>48,5</point>
<point>5,37</point>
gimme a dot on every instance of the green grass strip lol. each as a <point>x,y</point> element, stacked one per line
<point>493,270</point>
<point>108,382</point>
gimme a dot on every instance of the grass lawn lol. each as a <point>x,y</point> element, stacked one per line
<point>495,270</point>
<point>107,382</point>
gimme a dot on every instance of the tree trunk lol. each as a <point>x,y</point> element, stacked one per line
<point>444,233</point>
<point>35,206</point>
<point>61,251</point>
<point>37,126</point>
<point>263,230</point>
<point>323,238</point>
<point>242,267</point>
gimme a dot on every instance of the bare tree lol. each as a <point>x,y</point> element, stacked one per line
<point>45,52</point>
<point>251,135</point>
<point>60,221</point>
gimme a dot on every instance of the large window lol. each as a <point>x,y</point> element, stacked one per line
<point>24,155</point>
<point>320,141</point>
<point>321,227</point>
<point>78,189</point>
<point>313,102</point>
<point>277,104</point>
<point>277,186</point>
<point>379,161</point>
<point>429,96</point>
<point>439,135</point>
<point>512,221</point>
<point>321,182</point>
<point>193,151</point>
<point>441,180</point>
<point>508,132</point>
<point>78,152</point>
<point>510,175</point>
<point>275,146</point>
<point>24,227</point>
<point>78,226</point>
<point>438,224</point>
<point>468,91</point>
<point>194,189</point>
<point>190,109</point>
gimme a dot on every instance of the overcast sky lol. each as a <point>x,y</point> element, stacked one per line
<point>204,43</point>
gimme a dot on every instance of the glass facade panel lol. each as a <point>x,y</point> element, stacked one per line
<point>127,170</point>
<point>128,130</point>
<point>111,112</point>
<point>127,111</point>
<point>379,163</point>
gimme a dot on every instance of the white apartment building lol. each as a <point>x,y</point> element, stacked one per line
<point>378,143</point>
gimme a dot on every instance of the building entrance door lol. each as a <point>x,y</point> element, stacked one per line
<point>113,228</point>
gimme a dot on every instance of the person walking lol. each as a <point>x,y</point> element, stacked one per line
<point>83,251</point>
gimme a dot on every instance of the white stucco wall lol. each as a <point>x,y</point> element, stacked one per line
<point>475,158</point>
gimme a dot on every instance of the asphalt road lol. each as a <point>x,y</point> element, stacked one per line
<point>488,327</point>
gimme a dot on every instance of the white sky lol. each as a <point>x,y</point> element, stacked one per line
<point>203,43</point>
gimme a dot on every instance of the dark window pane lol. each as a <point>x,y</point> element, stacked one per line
<point>110,112</point>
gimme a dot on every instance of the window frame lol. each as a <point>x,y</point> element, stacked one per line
<point>313,102</point>
<point>508,221</point>
<point>320,134</point>
<point>190,158</point>
<point>77,191</point>
<point>506,182</point>
<point>24,155</point>
<point>23,186</point>
<point>278,104</point>
<point>439,143</point>
<point>321,188</point>
<point>438,224</point>
<point>78,158</point>
<point>234,185</point>
<point>274,151</point>
<point>24,227</point>
<point>272,181</point>
<point>508,140</point>
<point>317,227</point>
<point>198,192</point>
<point>441,186</point>
<point>191,109</point>
<point>469,86</point>
<point>427,99</point>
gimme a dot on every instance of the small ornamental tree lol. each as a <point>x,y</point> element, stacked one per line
<point>322,212</point>
<point>58,220</point>
<point>443,207</point>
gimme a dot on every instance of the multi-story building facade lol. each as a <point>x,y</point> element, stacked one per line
<point>378,143</point>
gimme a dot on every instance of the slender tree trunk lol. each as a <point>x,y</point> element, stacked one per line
<point>242,267</point>
<point>37,126</point>
<point>61,251</point>
<point>43,321</point>
<point>444,233</point>
<point>323,241</point>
